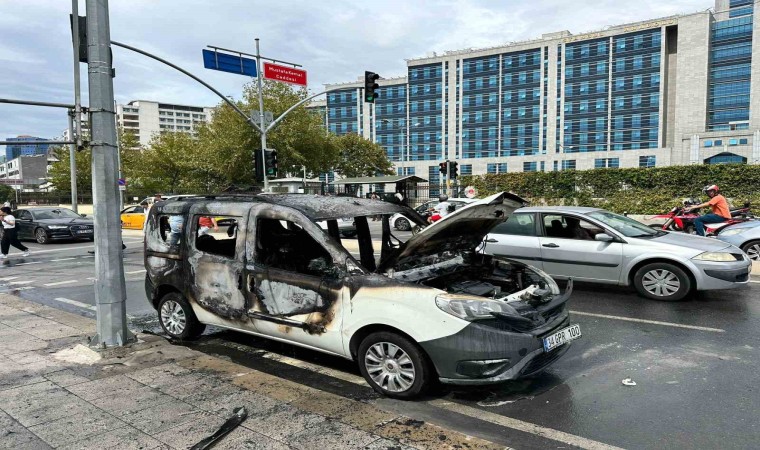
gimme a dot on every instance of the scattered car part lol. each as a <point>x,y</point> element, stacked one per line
<point>238,416</point>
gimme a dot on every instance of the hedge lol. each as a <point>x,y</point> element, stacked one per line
<point>635,191</point>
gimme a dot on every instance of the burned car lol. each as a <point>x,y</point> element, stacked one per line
<point>431,308</point>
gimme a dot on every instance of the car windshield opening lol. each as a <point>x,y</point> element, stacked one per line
<point>56,214</point>
<point>623,225</point>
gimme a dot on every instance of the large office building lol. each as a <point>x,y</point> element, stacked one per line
<point>26,146</point>
<point>676,90</point>
<point>145,118</point>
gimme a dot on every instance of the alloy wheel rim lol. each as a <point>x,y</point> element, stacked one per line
<point>661,282</point>
<point>753,251</point>
<point>41,236</point>
<point>404,224</point>
<point>173,317</point>
<point>390,367</point>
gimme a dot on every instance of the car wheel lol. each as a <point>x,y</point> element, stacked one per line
<point>662,281</point>
<point>41,236</point>
<point>402,224</point>
<point>393,365</point>
<point>177,318</point>
<point>752,249</point>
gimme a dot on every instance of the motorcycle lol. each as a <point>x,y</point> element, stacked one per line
<point>679,220</point>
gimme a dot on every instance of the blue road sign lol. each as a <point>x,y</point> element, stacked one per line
<point>229,63</point>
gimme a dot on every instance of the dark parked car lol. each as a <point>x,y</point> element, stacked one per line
<point>45,224</point>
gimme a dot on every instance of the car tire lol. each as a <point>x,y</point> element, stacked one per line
<point>752,249</point>
<point>177,318</point>
<point>662,281</point>
<point>402,224</point>
<point>41,236</point>
<point>394,366</point>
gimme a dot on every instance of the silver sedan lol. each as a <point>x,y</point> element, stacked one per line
<point>744,235</point>
<point>590,244</point>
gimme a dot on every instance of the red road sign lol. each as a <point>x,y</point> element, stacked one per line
<point>284,73</point>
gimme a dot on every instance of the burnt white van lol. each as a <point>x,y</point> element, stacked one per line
<point>430,308</point>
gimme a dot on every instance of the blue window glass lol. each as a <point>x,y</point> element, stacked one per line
<point>743,141</point>
<point>726,158</point>
<point>531,166</point>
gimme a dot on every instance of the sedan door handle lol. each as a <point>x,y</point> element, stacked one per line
<point>552,245</point>
<point>491,241</point>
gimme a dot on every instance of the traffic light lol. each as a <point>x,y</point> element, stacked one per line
<point>270,162</point>
<point>370,85</point>
<point>454,169</point>
<point>443,167</point>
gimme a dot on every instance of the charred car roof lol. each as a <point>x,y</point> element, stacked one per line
<point>315,207</point>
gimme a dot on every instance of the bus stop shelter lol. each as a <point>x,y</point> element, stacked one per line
<point>413,188</point>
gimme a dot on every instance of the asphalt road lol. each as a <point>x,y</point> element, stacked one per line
<point>695,364</point>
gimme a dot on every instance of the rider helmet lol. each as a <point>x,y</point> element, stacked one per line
<point>711,188</point>
<point>443,197</point>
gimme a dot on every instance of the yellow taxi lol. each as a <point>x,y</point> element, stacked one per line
<point>133,217</point>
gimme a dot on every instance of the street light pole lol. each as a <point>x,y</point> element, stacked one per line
<point>110,288</point>
<point>261,117</point>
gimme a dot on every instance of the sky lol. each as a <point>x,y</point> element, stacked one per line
<point>335,41</point>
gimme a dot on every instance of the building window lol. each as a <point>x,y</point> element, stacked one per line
<point>726,158</point>
<point>606,163</point>
<point>568,164</point>
<point>718,143</point>
<point>733,142</point>
<point>494,168</point>
<point>743,141</point>
<point>647,161</point>
<point>530,166</point>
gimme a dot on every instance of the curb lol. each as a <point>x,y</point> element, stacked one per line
<point>756,268</point>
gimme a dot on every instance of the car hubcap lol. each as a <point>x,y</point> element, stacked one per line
<point>403,224</point>
<point>661,282</point>
<point>173,317</point>
<point>41,236</point>
<point>389,367</point>
<point>754,252</point>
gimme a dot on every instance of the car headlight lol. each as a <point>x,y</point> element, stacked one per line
<point>715,257</point>
<point>57,227</point>
<point>471,308</point>
<point>732,231</point>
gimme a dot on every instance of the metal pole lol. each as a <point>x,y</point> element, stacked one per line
<point>73,164</point>
<point>110,288</point>
<point>263,128</point>
<point>118,161</point>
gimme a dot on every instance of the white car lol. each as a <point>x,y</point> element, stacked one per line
<point>431,308</point>
<point>402,222</point>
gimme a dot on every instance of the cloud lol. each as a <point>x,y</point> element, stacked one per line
<point>335,41</point>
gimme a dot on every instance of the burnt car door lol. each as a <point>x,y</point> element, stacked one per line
<point>294,278</point>
<point>216,263</point>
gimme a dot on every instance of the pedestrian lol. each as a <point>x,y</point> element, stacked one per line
<point>9,233</point>
<point>205,223</point>
<point>374,196</point>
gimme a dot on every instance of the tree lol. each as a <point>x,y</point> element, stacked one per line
<point>60,172</point>
<point>360,157</point>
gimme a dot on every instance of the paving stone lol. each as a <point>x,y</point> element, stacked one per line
<point>283,421</point>
<point>201,389</point>
<point>53,330</point>
<point>74,427</point>
<point>111,386</point>
<point>124,438</point>
<point>333,435</point>
<point>14,341</point>
<point>386,444</point>
<point>13,375</point>
<point>274,387</point>
<point>65,378</point>
<point>249,440</point>
<point>159,418</point>
<point>159,376</point>
<point>139,399</point>
<point>14,436</point>
<point>224,405</point>
<point>190,433</point>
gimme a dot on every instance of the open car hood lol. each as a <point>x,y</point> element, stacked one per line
<point>462,230</point>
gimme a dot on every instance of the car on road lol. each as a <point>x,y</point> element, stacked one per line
<point>407,313</point>
<point>133,217</point>
<point>590,244</point>
<point>46,224</point>
<point>745,235</point>
<point>346,226</point>
<point>403,223</point>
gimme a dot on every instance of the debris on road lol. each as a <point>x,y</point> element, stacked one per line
<point>629,382</point>
<point>238,416</point>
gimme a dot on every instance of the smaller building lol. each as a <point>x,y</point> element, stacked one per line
<point>295,185</point>
<point>144,118</point>
<point>25,173</point>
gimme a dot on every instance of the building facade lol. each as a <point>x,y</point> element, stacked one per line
<point>145,118</point>
<point>25,172</point>
<point>26,147</point>
<point>671,91</point>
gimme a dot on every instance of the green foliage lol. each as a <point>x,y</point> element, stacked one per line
<point>60,171</point>
<point>360,157</point>
<point>6,193</point>
<point>636,190</point>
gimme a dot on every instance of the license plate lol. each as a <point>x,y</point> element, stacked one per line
<point>84,232</point>
<point>562,337</point>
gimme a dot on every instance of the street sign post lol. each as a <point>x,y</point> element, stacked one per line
<point>285,74</point>
<point>229,63</point>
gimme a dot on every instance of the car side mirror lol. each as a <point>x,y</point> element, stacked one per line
<point>603,237</point>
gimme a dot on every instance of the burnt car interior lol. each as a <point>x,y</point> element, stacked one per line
<point>220,242</point>
<point>284,245</point>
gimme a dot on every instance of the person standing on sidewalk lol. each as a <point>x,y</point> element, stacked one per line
<point>9,233</point>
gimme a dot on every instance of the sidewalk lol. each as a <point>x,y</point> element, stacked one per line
<point>57,393</point>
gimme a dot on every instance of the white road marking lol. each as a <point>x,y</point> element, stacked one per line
<point>78,247</point>
<point>75,303</point>
<point>58,283</point>
<point>652,322</point>
<point>135,271</point>
<point>21,282</point>
<point>21,288</point>
<point>88,256</point>
<point>526,427</point>
<point>753,281</point>
<point>8,278</point>
<point>61,259</point>
<point>26,264</point>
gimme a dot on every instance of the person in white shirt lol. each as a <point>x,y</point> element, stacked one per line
<point>9,233</point>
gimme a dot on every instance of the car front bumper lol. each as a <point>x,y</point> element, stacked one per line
<point>712,275</point>
<point>57,235</point>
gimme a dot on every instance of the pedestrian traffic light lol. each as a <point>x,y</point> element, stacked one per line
<point>270,162</point>
<point>443,167</point>
<point>370,85</point>
<point>454,169</point>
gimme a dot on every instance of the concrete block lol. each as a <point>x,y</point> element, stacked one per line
<point>65,378</point>
<point>139,399</point>
<point>159,418</point>
<point>284,421</point>
<point>119,385</point>
<point>190,433</point>
<point>15,436</point>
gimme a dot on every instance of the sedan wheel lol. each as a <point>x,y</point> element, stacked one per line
<point>662,281</point>
<point>177,318</point>
<point>41,236</point>
<point>173,317</point>
<point>752,249</point>
<point>402,224</point>
<point>393,365</point>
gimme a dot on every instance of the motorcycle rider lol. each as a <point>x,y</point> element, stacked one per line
<point>720,210</point>
<point>441,209</point>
